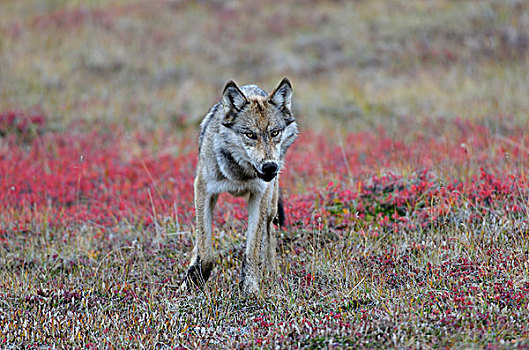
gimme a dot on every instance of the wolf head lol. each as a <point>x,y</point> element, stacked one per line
<point>259,128</point>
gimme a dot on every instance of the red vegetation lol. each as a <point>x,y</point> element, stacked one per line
<point>108,178</point>
<point>21,124</point>
<point>452,175</point>
<point>60,179</point>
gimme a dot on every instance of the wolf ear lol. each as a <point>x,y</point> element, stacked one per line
<point>233,100</point>
<point>282,95</point>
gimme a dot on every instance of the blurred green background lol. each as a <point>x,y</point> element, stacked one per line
<point>353,64</point>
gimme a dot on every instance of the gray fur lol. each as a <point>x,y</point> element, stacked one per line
<point>242,147</point>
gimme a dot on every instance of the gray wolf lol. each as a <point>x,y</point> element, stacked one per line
<point>242,146</point>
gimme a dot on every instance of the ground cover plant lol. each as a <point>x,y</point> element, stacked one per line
<point>407,218</point>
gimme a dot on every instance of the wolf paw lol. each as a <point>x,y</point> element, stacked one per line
<point>197,275</point>
<point>249,287</point>
<point>249,284</point>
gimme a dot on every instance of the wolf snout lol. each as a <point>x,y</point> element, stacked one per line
<point>268,171</point>
<point>270,168</point>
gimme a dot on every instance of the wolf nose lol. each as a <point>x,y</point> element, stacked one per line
<point>270,168</point>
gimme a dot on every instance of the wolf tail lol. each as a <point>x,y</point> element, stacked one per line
<point>280,218</point>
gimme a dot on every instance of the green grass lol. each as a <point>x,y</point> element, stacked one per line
<point>142,62</point>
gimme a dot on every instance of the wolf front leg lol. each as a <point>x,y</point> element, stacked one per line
<point>202,260</point>
<point>269,240</point>
<point>269,247</point>
<point>257,210</point>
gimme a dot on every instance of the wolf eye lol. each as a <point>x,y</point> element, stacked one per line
<point>250,135</point>
<point>274,133</point>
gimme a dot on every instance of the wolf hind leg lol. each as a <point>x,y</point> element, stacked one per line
<point>280,218</point>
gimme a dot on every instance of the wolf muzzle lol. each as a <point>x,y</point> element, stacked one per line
<point>268,171</point>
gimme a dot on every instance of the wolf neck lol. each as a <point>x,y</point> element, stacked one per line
<point>234,178</point>
<point>231,168</point>
<point>233,175</point>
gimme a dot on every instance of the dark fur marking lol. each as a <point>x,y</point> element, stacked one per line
<point>280,218</point>
<point>232,104</point>
<point>287,114</point>
<point>230,116</point>
<point>198,274</point>
<point>235,167</point>
<point>209,117</point>
<point>243,272</point>
<point>218,174</point>
<point>289,119</point>
<point>232,101</point>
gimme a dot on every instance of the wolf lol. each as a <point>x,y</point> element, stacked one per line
<point>242,145</point>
